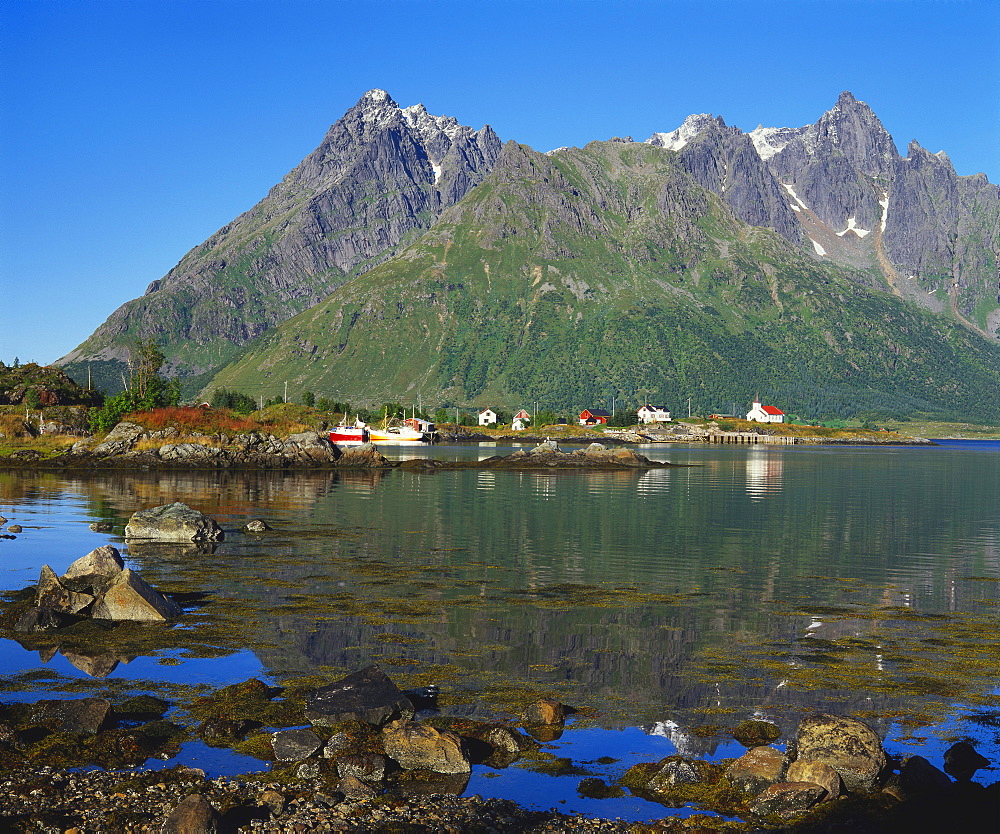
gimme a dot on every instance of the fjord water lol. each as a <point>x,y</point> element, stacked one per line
<point>749,581</point>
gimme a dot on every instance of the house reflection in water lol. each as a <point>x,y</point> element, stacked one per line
<point>764,472</point>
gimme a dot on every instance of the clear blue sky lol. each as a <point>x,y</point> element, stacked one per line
<point>130,130</point>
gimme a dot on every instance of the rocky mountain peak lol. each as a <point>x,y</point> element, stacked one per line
<point>689,129</point>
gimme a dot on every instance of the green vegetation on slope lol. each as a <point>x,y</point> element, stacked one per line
<point>608,271</point>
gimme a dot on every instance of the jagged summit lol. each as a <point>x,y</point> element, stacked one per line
<point>689,129</point>
<point>380,177</point>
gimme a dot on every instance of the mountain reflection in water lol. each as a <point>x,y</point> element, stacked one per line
<point>756,581</point>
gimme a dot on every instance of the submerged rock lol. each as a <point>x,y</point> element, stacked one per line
<point>173,522</point>
<point>256,526</point>
<point>756,733</point>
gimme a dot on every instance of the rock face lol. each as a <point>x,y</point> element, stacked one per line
<point>381,175</point>
<point>840,188</point>
<point>850,747</point>
<point>367,695</point>
<point>130,597</point>
<point>175,522</point>
<point>418,746</point>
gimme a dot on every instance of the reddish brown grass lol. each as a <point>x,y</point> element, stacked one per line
<point>194,419</point>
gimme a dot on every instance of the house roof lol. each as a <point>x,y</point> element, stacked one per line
<point>595,412</point>
<point>652,408</point>
<point>485,410</point>
<point>770,409</point>
<point>522,414</point>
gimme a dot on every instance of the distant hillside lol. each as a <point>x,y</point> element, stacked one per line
<point>35,386</point>
<point>570,278</point>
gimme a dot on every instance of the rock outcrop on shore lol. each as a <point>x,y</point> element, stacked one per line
<point>129,445</point>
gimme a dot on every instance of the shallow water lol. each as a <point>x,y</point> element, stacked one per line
<point>753,581</point>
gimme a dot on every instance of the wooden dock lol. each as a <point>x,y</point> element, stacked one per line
<point>749,437</point>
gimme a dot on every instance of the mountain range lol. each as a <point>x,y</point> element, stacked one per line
<point>410,257</point>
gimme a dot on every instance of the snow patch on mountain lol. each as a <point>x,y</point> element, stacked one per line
<point>772,140</point>
<point>428,126</point>
<point>853,227</point>
<point>794,196</point>
<point>677,139</point>
<point>819,249</point>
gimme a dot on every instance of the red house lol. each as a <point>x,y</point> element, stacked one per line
<point>593,416</point>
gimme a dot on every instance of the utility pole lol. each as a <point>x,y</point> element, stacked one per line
<point>689,408</point>
<point>286,392</point>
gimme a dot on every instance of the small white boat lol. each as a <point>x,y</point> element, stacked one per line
<point>396,434</point>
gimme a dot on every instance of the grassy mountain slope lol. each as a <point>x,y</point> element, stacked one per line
<point>607,270</point>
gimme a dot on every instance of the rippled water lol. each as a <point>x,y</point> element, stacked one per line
<point>667,599</point>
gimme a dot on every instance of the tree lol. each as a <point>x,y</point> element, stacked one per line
<point>144,361</point>
<point>308,399</point>
<point>147,389</point>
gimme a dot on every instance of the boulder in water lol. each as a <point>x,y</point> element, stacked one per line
<point>175,522</point>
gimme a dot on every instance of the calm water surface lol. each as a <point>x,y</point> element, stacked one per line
<point>752,581</point>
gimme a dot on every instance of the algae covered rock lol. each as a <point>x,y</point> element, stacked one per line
<point>787,799</point>
<point>849,746</point>
<point>175,522</point>
<point>545,711</point>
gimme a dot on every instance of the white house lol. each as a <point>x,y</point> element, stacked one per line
<point>520,421</point>
<point>487,417</point>
<point>765,413</point>
<point>653,414</point>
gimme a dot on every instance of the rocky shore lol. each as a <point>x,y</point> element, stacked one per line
<point>361,755</point>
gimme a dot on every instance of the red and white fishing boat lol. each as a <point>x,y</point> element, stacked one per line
<point>344,435</point>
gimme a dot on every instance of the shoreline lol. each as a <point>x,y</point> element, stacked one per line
<point>131,447</point>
